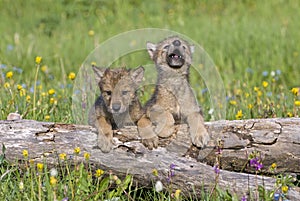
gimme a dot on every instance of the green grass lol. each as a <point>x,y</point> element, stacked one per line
<point>250,42</point>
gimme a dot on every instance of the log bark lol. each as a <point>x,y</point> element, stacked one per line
<point>278,140</point>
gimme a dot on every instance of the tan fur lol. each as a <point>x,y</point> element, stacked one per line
<point>173,100</point>
<point>118,104</point>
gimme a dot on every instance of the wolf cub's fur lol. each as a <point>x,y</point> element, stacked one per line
<point>173,100</point>
<point>118,104</point>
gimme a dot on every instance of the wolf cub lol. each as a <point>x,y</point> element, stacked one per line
<point>118,104</point>
<point>173,100</point>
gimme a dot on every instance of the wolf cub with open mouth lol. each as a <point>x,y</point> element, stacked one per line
<point>173,100</point>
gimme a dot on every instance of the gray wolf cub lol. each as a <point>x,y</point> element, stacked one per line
<point>173,100</point>
<point>118,104</point>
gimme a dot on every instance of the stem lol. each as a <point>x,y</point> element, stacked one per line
<point>34,89</point>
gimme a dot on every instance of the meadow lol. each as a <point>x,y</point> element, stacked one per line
<point>254,45</point>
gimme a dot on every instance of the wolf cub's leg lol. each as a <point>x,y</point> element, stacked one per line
<point>146,132</point>
<point>198,132</point>
<point>105,134</point>
<point>163,121</point>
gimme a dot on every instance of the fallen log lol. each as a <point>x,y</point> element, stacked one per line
<point>278,140</point>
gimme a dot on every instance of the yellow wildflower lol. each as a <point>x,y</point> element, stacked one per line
<point>91,32</point>
<point>93,63</point>
<point>9,74</point>
<point>25,153</point>
<point>51,91</point>
<point>86,156</point>
<point>239,114</point>
<point>232,102</point>
<point>28,98</point>
<point>297,103</point>
<point>52,100</point>
<point>44,68</point>
<point>31,161</point>
<point>99,172</point>
<point>53,181</point>
<point>274,165</point>
<point>256,89</point>
<point>71,75</point>
<point>40,166</point>
<point>43,94</point>
<point>265,84</point>
<point>38,60</point>
<point>62,156</point>
<point>19,87</point>
<point>6,85</point>
<point>289,114</point>
<point>250,106</point>
<point>295,91</point>
<point>47,117</point>
<point>155,172</point>
<point>77,150</point>
<point>284,189</point>
<point>177,193</point>
<point>247,95</point>
<point>259,93</point>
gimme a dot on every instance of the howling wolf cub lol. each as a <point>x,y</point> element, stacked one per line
<point>173,100</point>
<point>118,104</point>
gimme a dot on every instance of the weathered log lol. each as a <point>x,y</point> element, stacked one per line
<point>278,140</point>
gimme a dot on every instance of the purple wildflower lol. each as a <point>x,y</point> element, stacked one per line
<point>216,169</point>
<point>254,162</point>
<point>244,198</point>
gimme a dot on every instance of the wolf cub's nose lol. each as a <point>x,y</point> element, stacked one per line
<point>176,43</point>
<point>116,106</point>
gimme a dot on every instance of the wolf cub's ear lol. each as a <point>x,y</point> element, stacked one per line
<point>138,74</point>
<point>151,49</point>
<point>99,72</point>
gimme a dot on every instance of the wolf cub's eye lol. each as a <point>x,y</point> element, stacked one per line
<point>125,93</point>
<point>108,93</point>
<point>166,47</point>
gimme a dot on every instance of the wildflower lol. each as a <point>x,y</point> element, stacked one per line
<point>284,189</point>
<point>289,114</point>
<point>9,74</point>
<point>155,172</point>
<point>265,73</point>
<point>254,162</point>
<point>274,165</point>
<point>40,166</point>
<point>51,91</point>
<point>22,92</point>
<point>38,60</point>
<point>6,85</point>
<point>239,114</point>
<point>43,94</point>
<point>91,33</point>
<point>44,68</point>
<point>71,76</point>
<point>93,63</point>
<point>265,84</point>
<point>177,193</point>
<point>247,95</point>
<point>19,87</point>
<point>259,93</point>
<point>158,186</point>
<point>28,98</point>
<point>62,156</point>
<point>232,102</point>
<point>295,91</point>
<point>25,153</point>
<point>53,181</point>
<point>77,150</point>
<point>256,89</point>
<point>297,103</point>
<point>47,117</point>
<point>52,100</point>
<point>99,172</point>
<point>244,198</point>
<point>216,169</point>
<point>21,185</point>
<point>53,172</point>
<point>31,161</point>
<point>86,156</point>
<point>250,106</point>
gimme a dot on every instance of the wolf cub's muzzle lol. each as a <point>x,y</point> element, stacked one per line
<point>175,58</point>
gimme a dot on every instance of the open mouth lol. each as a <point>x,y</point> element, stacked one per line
<point>175,59</point>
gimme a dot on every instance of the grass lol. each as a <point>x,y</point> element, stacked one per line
<point>254,45</point>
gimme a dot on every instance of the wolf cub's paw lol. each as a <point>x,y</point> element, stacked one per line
<point>105,144</point>
<point>150,143</point>
<point>201,139</point>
